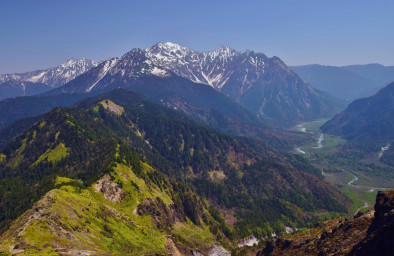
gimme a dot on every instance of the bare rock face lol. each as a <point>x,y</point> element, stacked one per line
<point>163,216</point>
<point>215,250</point>
<point>380,237</point>
<point>364,234</point>
<point>112,192</point>
<point>334,237</point>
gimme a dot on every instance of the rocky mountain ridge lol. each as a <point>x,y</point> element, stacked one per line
<point>371,233</point>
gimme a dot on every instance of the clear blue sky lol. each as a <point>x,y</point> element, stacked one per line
<point>43,33</point>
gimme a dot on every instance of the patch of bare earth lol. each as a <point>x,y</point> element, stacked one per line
<point>111,191</point>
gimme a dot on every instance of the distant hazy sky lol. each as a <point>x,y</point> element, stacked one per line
<point>38,34</point>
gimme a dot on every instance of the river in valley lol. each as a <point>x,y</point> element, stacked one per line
<point>319,142</point>
<point>355,178</point>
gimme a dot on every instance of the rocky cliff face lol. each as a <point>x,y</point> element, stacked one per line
<point>380,235</point>
<point>364,234</point>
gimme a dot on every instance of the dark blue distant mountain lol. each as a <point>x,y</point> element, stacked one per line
<point>368,125</point>
<point>14,88</point>
<point>337,81</point>
<point>368,118</point>
<point>347,82</point>
<point>380,74</point>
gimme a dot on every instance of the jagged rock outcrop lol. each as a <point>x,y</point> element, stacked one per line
<point>364,234</point>
<point>111,191</point>
<point>380,235</point>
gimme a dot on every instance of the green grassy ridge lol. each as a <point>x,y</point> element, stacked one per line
<point>111,106</point>
<point>93,225</point>
<point>89,222</point>
<point>86,159</point>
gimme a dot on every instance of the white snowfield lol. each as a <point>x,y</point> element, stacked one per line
<point>107,66</point>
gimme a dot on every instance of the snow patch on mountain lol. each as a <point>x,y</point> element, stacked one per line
<point>36,78</point>
<point>159,72</point>
<point>107,66</point>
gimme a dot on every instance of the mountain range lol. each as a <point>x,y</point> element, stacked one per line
<point>347,82</point>
<point>266,86</point>
<point>31,83</point>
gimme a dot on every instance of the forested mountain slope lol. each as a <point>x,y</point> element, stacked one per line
<point>263,189</point>
<point>369,118</point>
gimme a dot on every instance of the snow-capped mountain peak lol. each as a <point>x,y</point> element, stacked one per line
<point>166,53</point>
<point>168,47</point>
<point>56,76</point>
<point>225,50</point>
<point>73,62</point>
<point>223,53</point>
